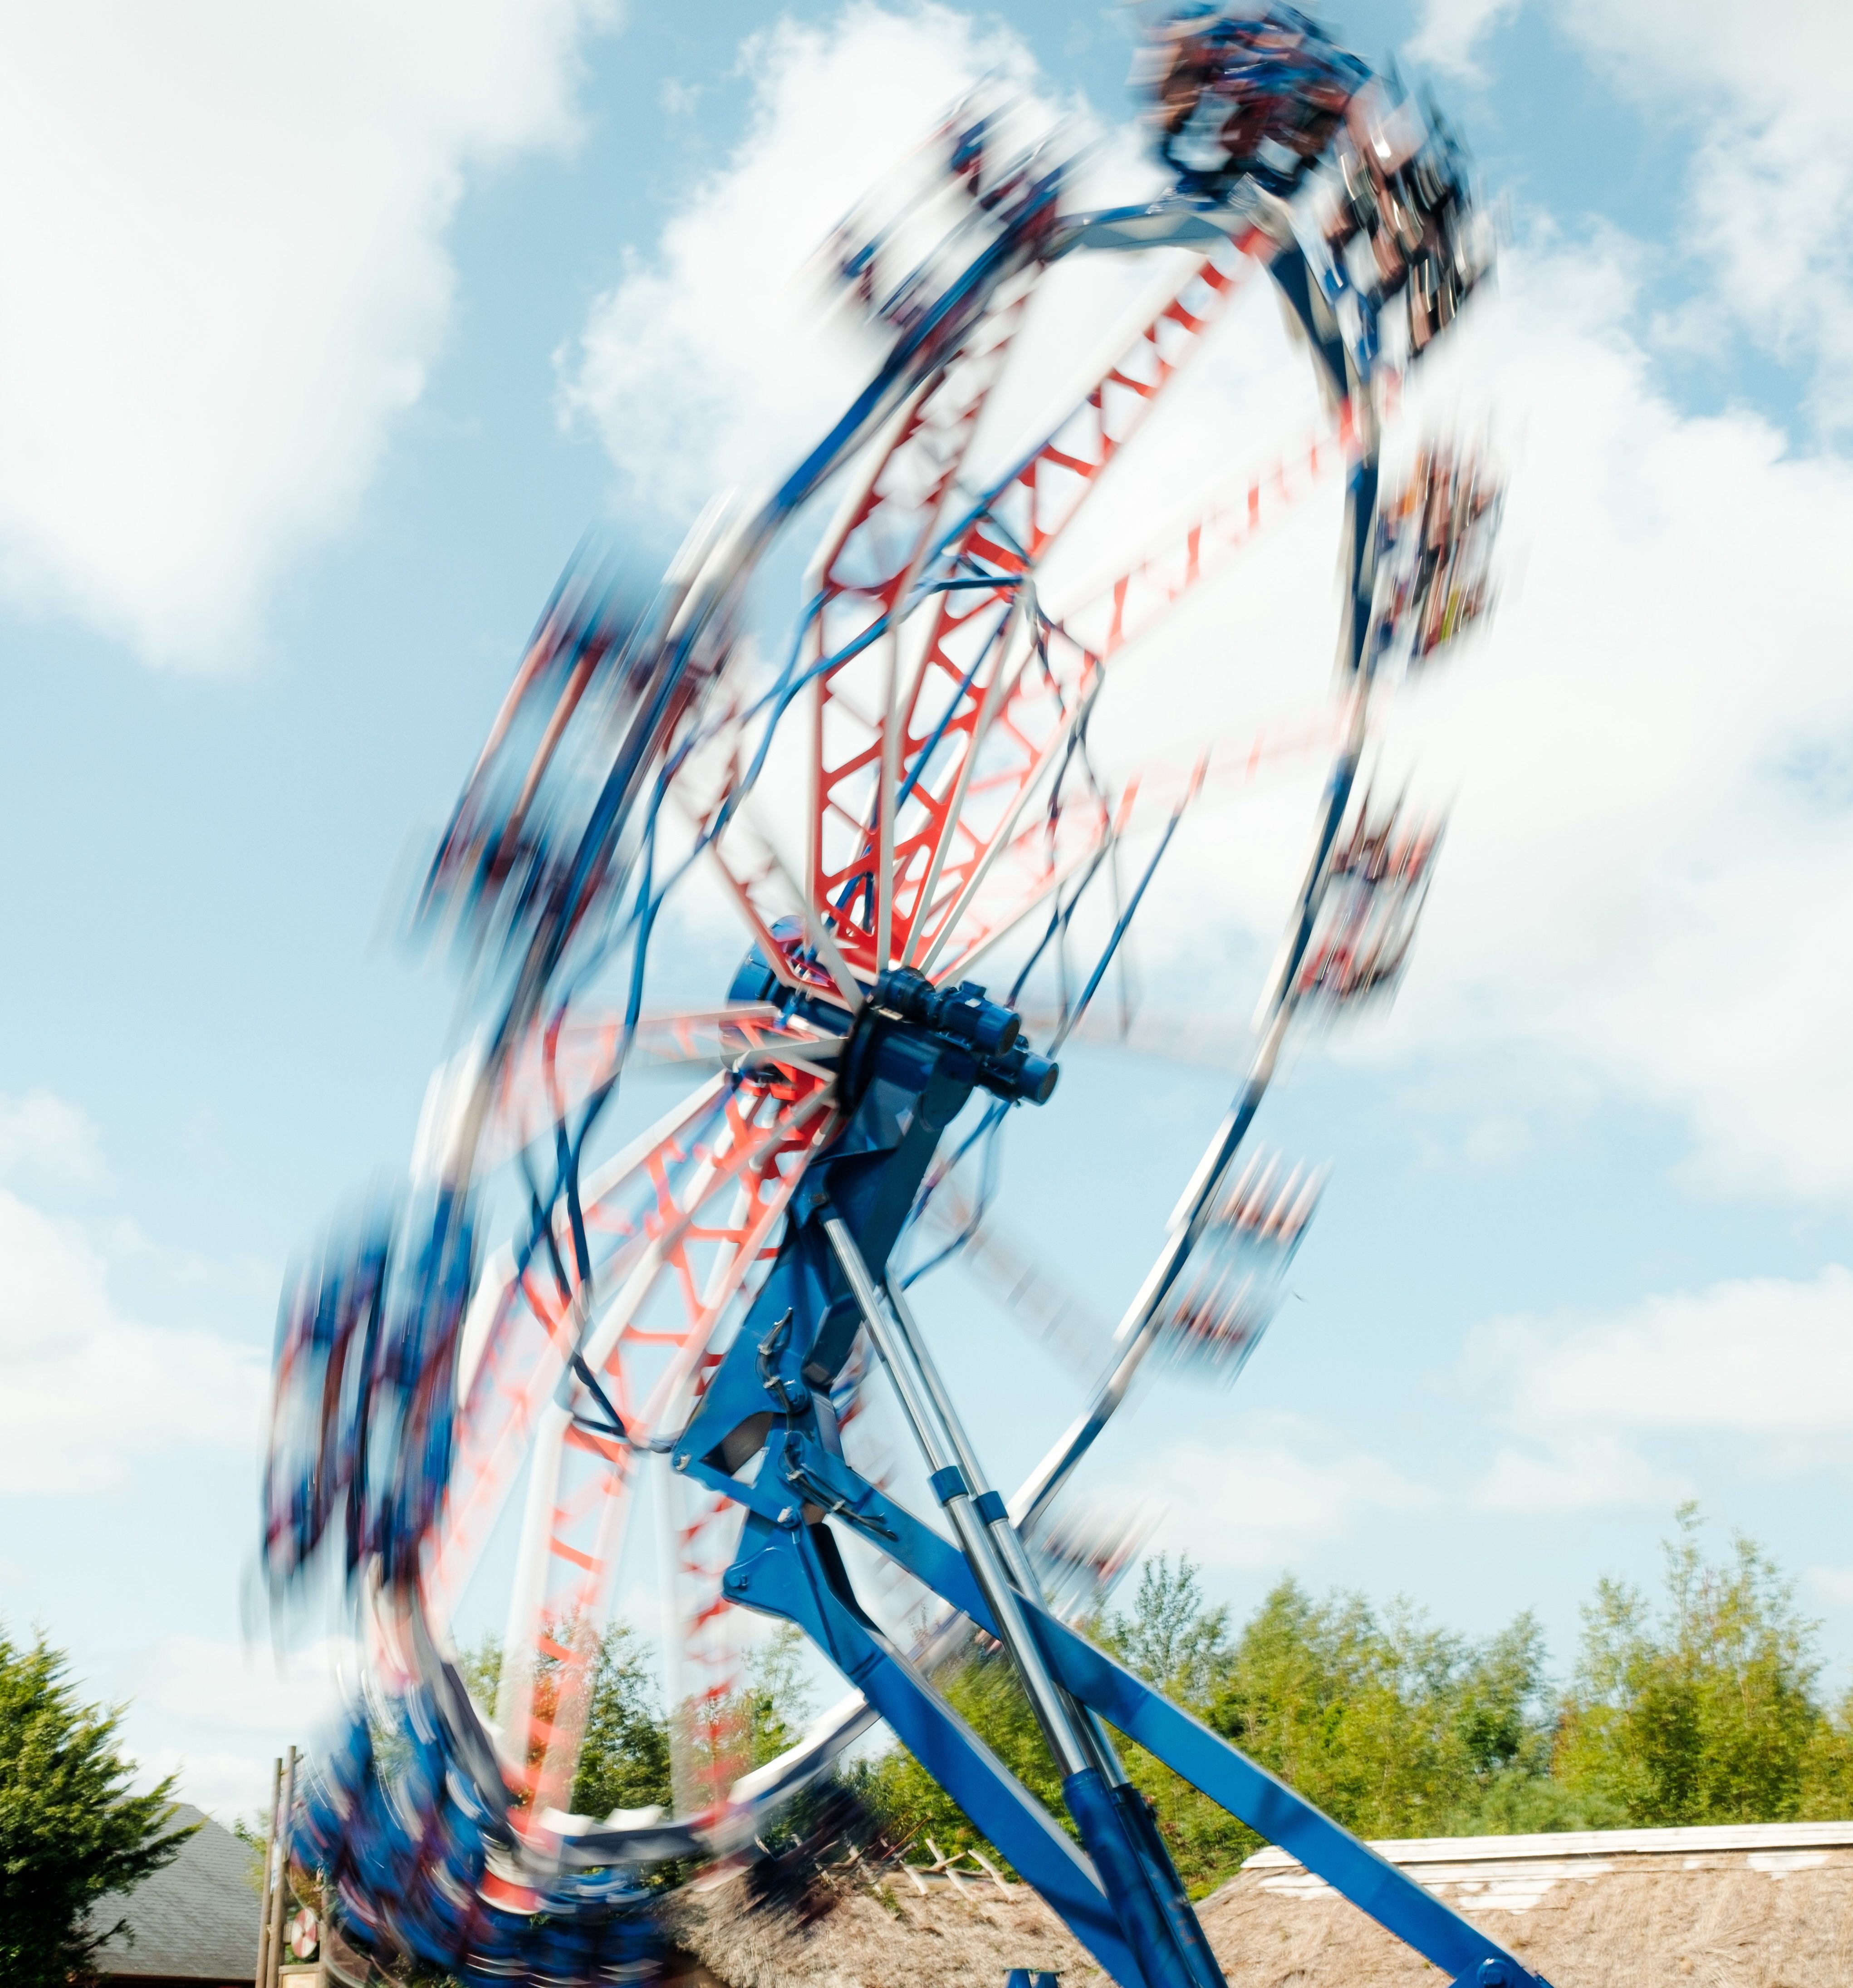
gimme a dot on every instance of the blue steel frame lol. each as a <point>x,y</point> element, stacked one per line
<point>765,1435</point>
<point>765,1438</point>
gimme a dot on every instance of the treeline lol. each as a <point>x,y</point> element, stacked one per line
<point>625,1760</point>
<point>1707,1707</point>
<point>1703,1706</point>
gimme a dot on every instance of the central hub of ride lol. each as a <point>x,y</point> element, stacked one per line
<point>965,1020</point>
<point>980,1041</point>
<point>910,1058</point>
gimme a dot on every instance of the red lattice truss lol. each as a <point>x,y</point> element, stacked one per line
<point>682,1222</point>
<point>928,744</point>
<point>924,765</point>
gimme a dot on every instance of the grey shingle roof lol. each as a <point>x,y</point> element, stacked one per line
<point>195,1921</point>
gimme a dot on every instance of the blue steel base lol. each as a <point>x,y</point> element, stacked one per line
<point>788,1568</point>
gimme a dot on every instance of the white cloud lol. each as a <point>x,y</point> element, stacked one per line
<point>1642,884</point>
<point>229,1786</point>
<point>1577,1471</point>
<point>223,272</point>
<point>714,362</point>
<point>217,1715</point>
<point>1280,1488</point>
<point>41,1136</point>
<point>90,1392</point>
<point>1451,32</point>
<point>1769,213</point>
<point>1642,892</point>
<point>243,1687</point>
<point>1641,874</point>
<point>1834,1585</point>
<point>246,1277</point>
<point>1765,1362</point>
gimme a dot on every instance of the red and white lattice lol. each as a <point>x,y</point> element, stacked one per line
<point>943,701</point>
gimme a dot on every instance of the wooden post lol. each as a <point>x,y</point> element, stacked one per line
<point>280,1884</point>
<point>263,1917</point>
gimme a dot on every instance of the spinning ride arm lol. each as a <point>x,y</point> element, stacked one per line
<point>1138,1331</point>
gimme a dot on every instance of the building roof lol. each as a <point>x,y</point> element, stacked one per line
<point>196,1921</point>
<point>1700,1839</point>
<point>1736,1907</point>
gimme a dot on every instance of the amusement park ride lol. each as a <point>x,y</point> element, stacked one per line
<point>701,1310</point>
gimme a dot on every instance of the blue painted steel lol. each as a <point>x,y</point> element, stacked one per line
<point>801,1469</point>
<point>763,1396</point>
<point>760,1579</point>
<point>1347,374</point>
<point>1299,286</point>
<point>929,343</point>
<point>1139,1905</point>
<point>1092,985</point>
<point>406,1852</point>
<point>798,1574</point>
<point>1152,1904</point>
<point>1271,1808</point>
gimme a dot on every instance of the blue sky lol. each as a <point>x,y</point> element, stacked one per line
<point>317,357</point>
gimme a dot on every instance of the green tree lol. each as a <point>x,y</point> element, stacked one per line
<point>1179,1643</point>
<point>480,1667</point>
<point>778,1699</point>
<point>1316,1692</point>
<point>623,1759</point>
<point>70,1831</point>
<point>1391,1725</point>
<point>1827,1769</point>
<point>1505,1718</point>
<point>1707,1712</point>
<point>1176,1641</point>
<point>908,1805</point>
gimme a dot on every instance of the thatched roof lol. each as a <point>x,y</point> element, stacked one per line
<point>1769,1907</point>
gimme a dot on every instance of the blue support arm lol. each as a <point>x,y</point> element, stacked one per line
<point>783,1571</point>
<point>1272,1809</point>
<point>1203,1758</point>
